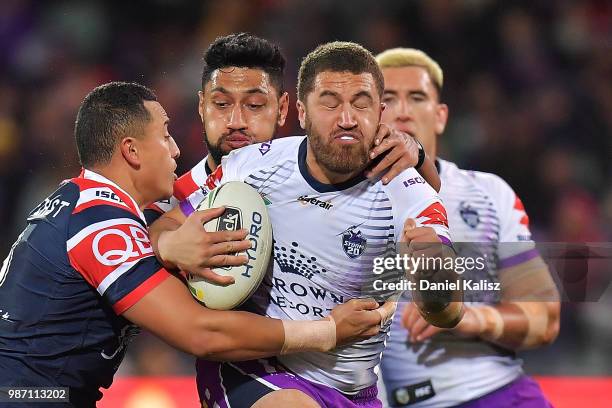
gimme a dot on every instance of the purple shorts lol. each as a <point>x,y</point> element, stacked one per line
<point>523,392</point>
<point>241,384</point>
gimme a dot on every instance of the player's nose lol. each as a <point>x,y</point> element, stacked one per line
<point>347,118</point>
<point>175,152</point>
<point>236,119</point>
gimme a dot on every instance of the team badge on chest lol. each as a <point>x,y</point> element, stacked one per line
<point>353,242</point>
<point>469,214</point>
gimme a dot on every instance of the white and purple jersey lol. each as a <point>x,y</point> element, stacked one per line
<point>446,370</point>
<point>325,240</point>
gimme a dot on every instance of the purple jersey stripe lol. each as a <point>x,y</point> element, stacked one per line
<point>186,208</point>
<point>445,240</point>
<point>518,258</point>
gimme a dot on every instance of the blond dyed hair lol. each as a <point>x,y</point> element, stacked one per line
<point>408,57</point>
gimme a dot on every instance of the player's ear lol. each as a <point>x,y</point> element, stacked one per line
<point>129,150</point>
<point>283,109</point>
<point>441,118</point>
<point>201,105</point>
<point>301,114</point>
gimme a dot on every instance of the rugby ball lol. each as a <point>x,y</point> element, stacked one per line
<point>244,208</point>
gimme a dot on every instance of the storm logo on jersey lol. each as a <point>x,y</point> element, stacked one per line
<point>469,215</point>
<point>353,242</point>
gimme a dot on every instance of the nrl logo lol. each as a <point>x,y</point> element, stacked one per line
<point>353,242</point>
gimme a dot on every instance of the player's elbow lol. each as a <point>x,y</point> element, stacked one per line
<point>209,342</point>
<point>554,324</point>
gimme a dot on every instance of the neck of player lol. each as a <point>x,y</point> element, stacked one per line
<point>123,178</point>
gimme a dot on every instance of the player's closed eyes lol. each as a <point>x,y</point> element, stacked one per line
<point>389,100</point>
<point>221,104</point>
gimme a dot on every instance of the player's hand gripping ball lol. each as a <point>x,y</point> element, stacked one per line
<point>244,208</point>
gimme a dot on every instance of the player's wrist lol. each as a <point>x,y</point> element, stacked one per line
<point>317,335</point>
<point>490,323</point>
<point>422,155</point>
<point>164,249</point>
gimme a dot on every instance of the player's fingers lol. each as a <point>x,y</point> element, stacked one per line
<point>206,215</point>
<point>227,260</point>
<point>209,275</point>
<point>410,224</point>
<point>385,144</point>
<point>225,236</point>
<point>373,331</point>
<point>229,247</point>
<point>386,311</point>
<point>428,332</point>
<point>386,162</point>
<point>382,133</point>
<point>371,317</point>
<point>394,171</point>
<point>366,304</point>
<point>410,316</point>
<point>417,328</point>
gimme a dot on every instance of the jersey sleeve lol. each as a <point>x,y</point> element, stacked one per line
<point>412,197</point>
<point>153,211</point>
<point>110,248</point>
<point>515,243</point>
<point>226,171</point>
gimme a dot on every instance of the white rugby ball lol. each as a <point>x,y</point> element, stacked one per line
<point>245,208</point>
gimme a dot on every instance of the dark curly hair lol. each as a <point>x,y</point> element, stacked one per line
<point>248,51</point>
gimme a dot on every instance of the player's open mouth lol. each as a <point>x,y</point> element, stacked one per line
<point>346,138</point>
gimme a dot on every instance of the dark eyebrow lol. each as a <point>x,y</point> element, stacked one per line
<point>257,90</point>
<point>362,93</point>
<point>328,93</point>
<point>249,91</point>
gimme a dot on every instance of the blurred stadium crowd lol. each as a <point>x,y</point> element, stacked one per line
<point>528,84</point>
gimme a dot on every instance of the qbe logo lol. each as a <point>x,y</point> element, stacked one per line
<point>114,246</point>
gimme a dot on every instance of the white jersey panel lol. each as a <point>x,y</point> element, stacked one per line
<point>481,208</point>
<point>325,240</point>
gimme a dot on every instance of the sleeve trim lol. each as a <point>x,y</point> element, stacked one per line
<point>518,258</point>
<point>139,292</point>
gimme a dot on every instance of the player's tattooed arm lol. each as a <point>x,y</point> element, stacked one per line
<point>396,151</point>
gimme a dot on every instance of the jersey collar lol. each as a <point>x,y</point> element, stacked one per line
<point>92,175</point>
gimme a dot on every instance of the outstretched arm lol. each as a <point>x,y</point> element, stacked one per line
<point>170,312</point>
<point>527,317</point>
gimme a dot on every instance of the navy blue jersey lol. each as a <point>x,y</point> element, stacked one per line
<point>82,260</point>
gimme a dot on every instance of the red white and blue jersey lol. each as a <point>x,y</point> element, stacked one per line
<point>83,259</point>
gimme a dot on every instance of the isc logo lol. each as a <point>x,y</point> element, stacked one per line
<point>108,195</point>
<point>413,181</point>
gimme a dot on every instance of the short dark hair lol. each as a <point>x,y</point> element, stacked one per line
<point>337,56</point>
<point>247,51</point>
<point>108,113</point>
